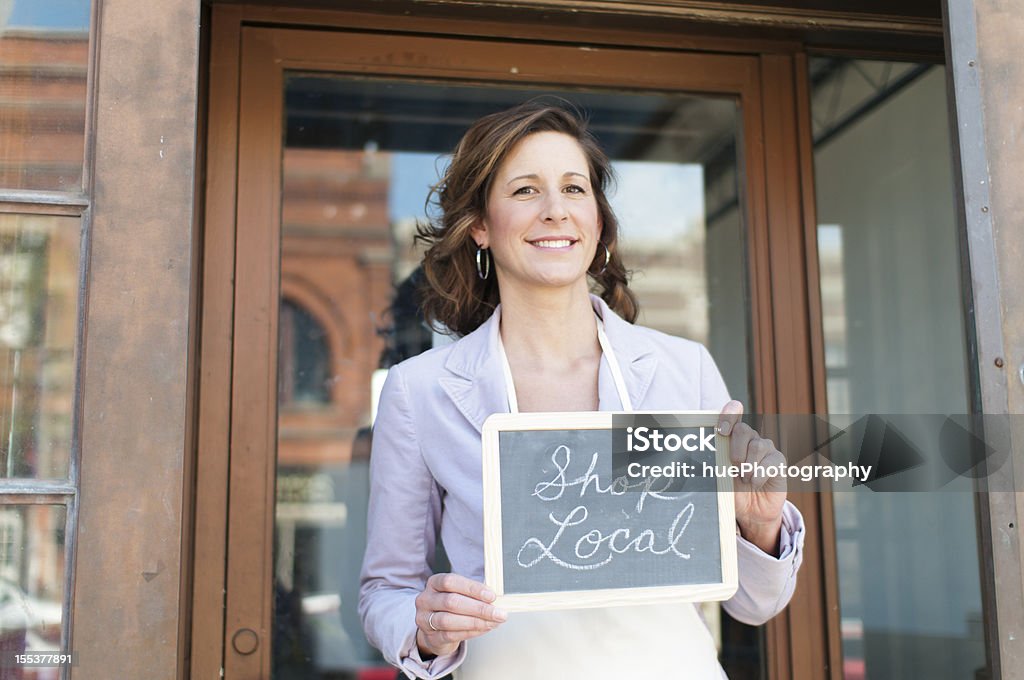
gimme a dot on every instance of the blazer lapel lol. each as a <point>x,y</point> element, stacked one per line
<point>477,383</point>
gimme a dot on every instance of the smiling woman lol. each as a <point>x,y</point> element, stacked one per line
<point>525,190</point>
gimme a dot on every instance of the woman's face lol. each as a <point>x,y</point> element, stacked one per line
<point>541,223</point>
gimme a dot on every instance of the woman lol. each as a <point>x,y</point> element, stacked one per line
<point>525,221</point>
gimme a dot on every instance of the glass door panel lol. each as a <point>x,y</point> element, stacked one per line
<point>359,157</point>
<point>909,595</point>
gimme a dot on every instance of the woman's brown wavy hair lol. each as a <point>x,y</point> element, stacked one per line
<point>451,292</point>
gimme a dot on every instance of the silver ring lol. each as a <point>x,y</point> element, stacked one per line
<point>430,622</point>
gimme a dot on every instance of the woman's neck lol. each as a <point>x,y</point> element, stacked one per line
<point>555,329</point>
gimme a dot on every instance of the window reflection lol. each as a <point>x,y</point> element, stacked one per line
<point>910,596</point>
<point>336,283</point>
<point>31,580</point>
<point>38,316</point>
<point>304,360</point>
<point>44,46</point>
<point>359,160</point>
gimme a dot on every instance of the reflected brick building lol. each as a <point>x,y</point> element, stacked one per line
<point>42,140</point>
<point>336,254</point>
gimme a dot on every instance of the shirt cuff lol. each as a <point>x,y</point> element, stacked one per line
<point>414,666</point>
<point>789,538</point>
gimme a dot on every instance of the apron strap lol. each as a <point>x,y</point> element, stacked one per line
<point>613,364</point>
<point>510,386</point>
<point>607,353</point>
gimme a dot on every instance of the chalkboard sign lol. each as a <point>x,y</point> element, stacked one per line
<point>566,526</point>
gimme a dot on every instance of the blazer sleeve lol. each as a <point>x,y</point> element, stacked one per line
<point>766,582</point>
<point>402,523</point>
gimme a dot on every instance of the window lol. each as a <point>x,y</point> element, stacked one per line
<point>910,597</point>
<point>304,368</point>
<point>45,48</point>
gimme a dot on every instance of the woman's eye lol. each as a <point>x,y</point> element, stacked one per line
<point>522,191</point>
<point>575,189</point>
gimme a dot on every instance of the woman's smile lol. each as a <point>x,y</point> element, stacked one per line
<point>554,243</point>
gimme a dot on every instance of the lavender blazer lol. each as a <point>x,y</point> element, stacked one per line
<point>426,474</point>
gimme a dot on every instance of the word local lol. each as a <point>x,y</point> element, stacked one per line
<point>648,439</point>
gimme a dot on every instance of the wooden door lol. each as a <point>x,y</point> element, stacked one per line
<point>271,302</point>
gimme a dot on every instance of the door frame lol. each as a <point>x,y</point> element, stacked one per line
<point>237,414</point>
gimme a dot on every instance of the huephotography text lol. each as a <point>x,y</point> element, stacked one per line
<point>705,470</point>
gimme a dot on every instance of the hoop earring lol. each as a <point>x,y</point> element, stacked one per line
<point>607,258</point>
<point>483,268</point>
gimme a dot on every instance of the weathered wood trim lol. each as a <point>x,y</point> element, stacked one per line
<point>214,417</point>
<point>829,588</point>
<point>134,448</point>
<point>731,14</point>
<point>42,200</point>
<point>800,636</point>
<point>987,78</point>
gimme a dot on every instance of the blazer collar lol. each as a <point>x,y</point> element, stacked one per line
<point>476,383</point>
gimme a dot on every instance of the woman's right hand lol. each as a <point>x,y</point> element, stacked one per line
<point>451,609</point>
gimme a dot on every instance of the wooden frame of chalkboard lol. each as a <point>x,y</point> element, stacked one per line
<point>570,586</point>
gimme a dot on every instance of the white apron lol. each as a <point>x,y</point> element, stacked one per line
<point>664,641</point>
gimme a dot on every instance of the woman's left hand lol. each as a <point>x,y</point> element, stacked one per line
<point>759,498</point>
